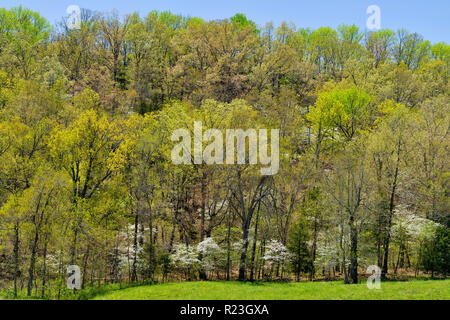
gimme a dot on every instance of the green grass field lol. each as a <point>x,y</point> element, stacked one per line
<point>393,290</point>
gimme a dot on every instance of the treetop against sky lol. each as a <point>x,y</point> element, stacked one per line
<point>429,18</point>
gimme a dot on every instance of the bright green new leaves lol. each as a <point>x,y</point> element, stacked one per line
<point>5,89</point>
<point>343,110</point>
<point>241,21</point>
<point>91,150</point>
<point>24,31</point>
<point>20,153</point>
<point>379,43</point>
<point>24,21</point>
<point>440,51</point>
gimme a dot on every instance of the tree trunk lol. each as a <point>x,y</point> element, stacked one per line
<point>202,273</point>
<point>151,253</point>
<point>242,264</point>
<point>379,240</point>
<point>74,246</point>
<point>252,265</point>
<point>354,255</point>
<point>135,246</point>
<point>16,257</point>
<point>32,263</point>
<point>85,263</point>
<point>261,254</point>
<point>203,207</point>
<point>44,269</point>
<point>228,249</point>
<point>384,271</point>
<point>314,249</point>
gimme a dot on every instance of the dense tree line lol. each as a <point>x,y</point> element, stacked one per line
<point>86,176</point>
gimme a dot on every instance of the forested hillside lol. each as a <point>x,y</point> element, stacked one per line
<point>86,176</point>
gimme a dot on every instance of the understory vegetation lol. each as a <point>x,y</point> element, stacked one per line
<point>86,177</point>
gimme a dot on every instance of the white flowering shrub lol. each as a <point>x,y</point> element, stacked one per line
<point>412,226</point>
<point>327,255</point>
<point>126,256</point>
<point>126,251</point>
<point>185,256</point>
<point>276,253</point>
<point>211,254</point>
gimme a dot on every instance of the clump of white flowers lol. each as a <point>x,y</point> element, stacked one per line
<point>204,255</point>
<point>185,256</point>
<point>276,253</point>
<point>327,255</point>
<point>126,251</point>
<point>211,254</point>
<point>208,246</point>
<point>414,226</point>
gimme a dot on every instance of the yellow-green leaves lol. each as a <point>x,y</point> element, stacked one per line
<point>88,99</point>
<point>90,150</point>
<point>344,110</point>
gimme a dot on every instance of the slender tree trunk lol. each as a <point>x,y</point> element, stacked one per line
<point>384,271</point>
<point>135,246</point>
<point>85,264</point>
<point>202,273</point>
<point>74,246</point>
<point>344,262</point>
<point>314,249</point>
<point>252,265</point>
<point>353,254</point>
<point>243,260</point>
<point>151,252</point>
<point>263,262</point>
<point>228,249</point>
<point>379,240</point>
<point>44,268</point>
<point>203,207</point>
<point>16,257</point>
<point>32,263</point>
<point>175,225</point>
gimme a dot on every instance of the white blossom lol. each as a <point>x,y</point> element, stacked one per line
<point>211,254</point>
<point>185,256</point>
<point>276,252</point>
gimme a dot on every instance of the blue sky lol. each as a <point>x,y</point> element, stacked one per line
<point>431,18</point>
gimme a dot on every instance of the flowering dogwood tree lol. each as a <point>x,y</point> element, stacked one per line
<point>185,256</point>
<point>205,256</point>
<point>211,254</point>
<point>276,253</point>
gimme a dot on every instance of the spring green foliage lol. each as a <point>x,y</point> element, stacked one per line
<point>86,177</point>
<point>346,110</point>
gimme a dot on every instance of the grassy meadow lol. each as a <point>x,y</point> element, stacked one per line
<point>335,290</point>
